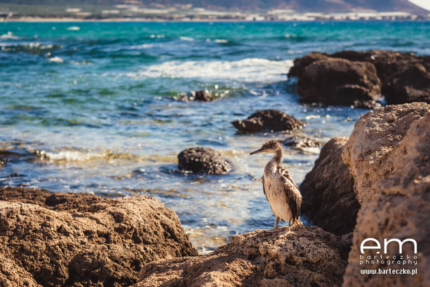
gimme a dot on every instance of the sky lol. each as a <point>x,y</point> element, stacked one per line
<point>422,3</point>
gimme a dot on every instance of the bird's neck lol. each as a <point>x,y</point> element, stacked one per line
<point>278,157</point>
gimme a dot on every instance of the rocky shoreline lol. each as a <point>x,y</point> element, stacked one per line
<point>373,184</point>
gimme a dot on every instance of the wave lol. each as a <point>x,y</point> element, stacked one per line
<point>56,60</point>
<point>247,70</point>
<point>32,48</point>
<point>74,28</point>
<point>8,35</point>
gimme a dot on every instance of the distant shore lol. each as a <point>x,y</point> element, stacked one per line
<point>53,20</point>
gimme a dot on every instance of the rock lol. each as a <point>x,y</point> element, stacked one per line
<point>12,275</point>
<point>301,63</point>
<point>404,78</point>
<point>328,191</point>
<point>335,81</point>
<point>387,63</point>
<point>301,257</point>
<point>203,160</point>
<point>388,156</point>
<point>411,85</point>
<point>64,239</point>
<point>200,96</point>
<point>300,142</point>
<point>268,120</point>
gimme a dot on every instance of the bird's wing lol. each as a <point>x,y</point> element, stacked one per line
<point>292,193</point>
<point>264,190</point>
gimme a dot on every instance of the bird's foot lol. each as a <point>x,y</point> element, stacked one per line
<point>298,224</point>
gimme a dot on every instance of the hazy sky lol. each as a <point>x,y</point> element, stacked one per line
<point>422,3</point>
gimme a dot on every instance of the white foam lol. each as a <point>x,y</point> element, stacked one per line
<point>143,46</point>
<point>56,60</point>
<point>8,35</point>
<point>221,41</point>
<point>247,70</point>
<point>70,156</point>
<point>74,28</point>
<point>186,39</point>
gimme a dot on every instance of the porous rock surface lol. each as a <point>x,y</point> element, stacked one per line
<point>203,160</point>
<point>297,257</point>
<point>66,239</point>
<point>268,120</point>
<point>328,191</point>
<point>388,155</point>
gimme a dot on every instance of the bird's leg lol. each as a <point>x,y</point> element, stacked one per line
<point>298,224</point>
<point>276,223</point>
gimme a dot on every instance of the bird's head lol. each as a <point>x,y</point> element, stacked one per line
<point>269,147</point>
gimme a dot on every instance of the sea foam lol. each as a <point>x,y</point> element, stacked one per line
<point>247,70</point>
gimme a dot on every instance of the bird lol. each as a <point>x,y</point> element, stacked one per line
<point>281,191</point>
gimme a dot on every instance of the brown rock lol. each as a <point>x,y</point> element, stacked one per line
<point>202,96</point>
<point>268,120</point>
<point>328,191</point>
<point>66,239</point>
<point>321,80</point>
<point>388,155</point>
<point>203,160</point>
<point>303,257</point>
<point>12,275</point>
<point>411,85</point>
<point>301,63</point>
<point>300,142</point>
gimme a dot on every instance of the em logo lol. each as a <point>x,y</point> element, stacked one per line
<point>386,242</point>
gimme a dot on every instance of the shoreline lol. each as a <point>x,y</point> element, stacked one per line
<point>122,20</point>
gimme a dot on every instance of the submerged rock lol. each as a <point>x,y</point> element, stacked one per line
<point>200,96</point>
<point>203,160</point>
<point>300,257</point>
<point>64,239</point>
<point>268,120</point>
<point>328,191</point>
<point>388,156</point>
<point>300,142</point>
<point>339,82</point>
<point>411,85</point>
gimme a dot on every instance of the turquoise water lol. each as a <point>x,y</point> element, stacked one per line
<point>89,107</point>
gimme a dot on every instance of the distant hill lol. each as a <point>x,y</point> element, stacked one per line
<point>297,5</point>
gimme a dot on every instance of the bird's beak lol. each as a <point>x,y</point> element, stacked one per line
<point>257,151</point>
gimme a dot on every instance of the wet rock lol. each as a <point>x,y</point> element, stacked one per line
<point>300,142</point>
<point>401,80</point>
<point>203,160</point>
<point>268,120</point>
<point>85,240</point>
<point>335,81</point>
<point>388,156</point>
<point>200,96</point>
<point>328,191</point>
<point>411,85</point>
<point>301,63</point>
<point>303,257</point>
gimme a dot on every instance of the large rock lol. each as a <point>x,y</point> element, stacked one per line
<point>203,160</point>
<point>388,156</point>
<point>411,85</point>
<point>268,120</point>
<point>328,191</point>
<point>85,240</point>
<point>340,82</point>
<point>12,275</point>
<point>304,257</point>
<point>401,81</point>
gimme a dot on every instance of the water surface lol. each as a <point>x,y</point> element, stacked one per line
<point>88,107</point>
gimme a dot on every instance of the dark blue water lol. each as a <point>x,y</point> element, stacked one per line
<point>89,107</point>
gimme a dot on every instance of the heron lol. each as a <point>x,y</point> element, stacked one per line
<point>279,187</point>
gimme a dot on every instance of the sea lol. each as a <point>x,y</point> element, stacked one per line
<point>92,107</point>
